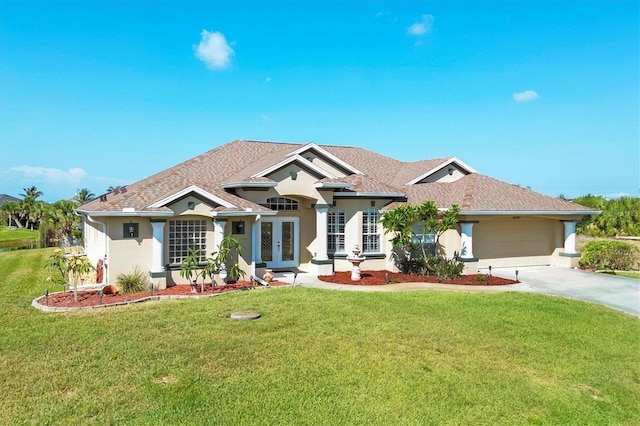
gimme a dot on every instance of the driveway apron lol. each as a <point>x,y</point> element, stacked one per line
<point>617,292</point>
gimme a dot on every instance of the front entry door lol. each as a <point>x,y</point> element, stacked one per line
<point>280,242</point>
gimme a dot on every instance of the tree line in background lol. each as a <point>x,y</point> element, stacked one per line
<point>57,222</point>
<point>620,216</point>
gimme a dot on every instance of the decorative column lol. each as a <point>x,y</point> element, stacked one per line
<point>321,232</point>
<point>569,236</point>
<point>466,234</point>
<point>157,247</point>
<point>218,231</point>
<point>256,240</point>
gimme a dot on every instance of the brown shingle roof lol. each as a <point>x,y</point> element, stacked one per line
<point>238,160</point>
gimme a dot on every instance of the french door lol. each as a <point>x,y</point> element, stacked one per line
<point>280,242</point>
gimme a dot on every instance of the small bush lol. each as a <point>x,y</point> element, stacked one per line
<point>445,268</point>
<point>134,282</point>
<point>608,255</point>
<point>481,277</point>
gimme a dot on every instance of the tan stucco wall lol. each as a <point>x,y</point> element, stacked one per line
<point>443,175</point>
<point>127,253</point>
<point>321,162</point>
<point>181,207</point>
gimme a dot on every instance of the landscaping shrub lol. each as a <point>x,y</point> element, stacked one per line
<point>445,268</point>
<point>133,282</point>
<point>608,255</point>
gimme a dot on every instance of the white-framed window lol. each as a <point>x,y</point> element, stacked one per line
<point>428,240</point>
<point>370,233</point>
<point>280,203</point>
<point>336,220</point>
<point>185,235</point>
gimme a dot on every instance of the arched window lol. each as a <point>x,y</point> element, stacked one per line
<point>280,203</point>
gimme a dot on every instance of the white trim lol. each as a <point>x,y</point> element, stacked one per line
<point>249,185</point>
<point>193,188</point>
<point>141,213</point>
<point>333,185</point>
<point>296,158</point>
<point>277,261</point>
<point>323,152</point>
<point>244,213</point>
<point>369,194</point>
<point>525,212</point>
<point>451,160</point>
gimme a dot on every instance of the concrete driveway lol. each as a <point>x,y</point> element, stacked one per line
<point>610,290</point>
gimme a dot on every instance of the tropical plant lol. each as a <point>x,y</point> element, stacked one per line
<point>413,226</point>
<point>446,269</point>
<point>220,258</point>
<point>83,196</point>
<point>191,266</point>
<point>68,270</point>
<point>31,209</point>
<point>57,265</point>
<point>620,216</point>
<point>133,282</point>
<point>59,222</point>
<point>12,212</point>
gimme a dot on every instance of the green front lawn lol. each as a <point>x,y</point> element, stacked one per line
<point>628,274</point>
<point>315,357</point>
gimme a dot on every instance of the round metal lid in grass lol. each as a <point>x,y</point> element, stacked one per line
<point>245,316</point>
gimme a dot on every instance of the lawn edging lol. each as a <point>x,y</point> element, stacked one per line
<point>36,303</point>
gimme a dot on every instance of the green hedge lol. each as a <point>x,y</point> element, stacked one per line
<point>609,256</point>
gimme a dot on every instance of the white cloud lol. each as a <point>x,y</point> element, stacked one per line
<point>268,79</point>
<point>214,50</point>
<point>43,174</point>
<point>526,96</point>
<point>421,27</point>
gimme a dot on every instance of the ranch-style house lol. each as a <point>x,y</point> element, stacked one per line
<point>305,206</point>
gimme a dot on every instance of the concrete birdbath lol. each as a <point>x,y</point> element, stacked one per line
<point>356,259</point>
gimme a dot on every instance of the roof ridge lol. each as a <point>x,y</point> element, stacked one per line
<point>467,200</point>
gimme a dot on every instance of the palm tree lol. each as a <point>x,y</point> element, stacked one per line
<point>59,221</point>
<point>31,193</point>
<point>11,210</point>
<point>84,196</point>
<point>29,206</point>
<point>113,188</point>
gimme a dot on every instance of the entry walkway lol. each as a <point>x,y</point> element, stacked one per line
<point>616,292</point>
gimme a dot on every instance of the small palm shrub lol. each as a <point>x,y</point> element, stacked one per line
<point>608,255</point>
<point>133,282</point>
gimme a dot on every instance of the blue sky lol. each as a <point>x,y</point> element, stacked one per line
<point>542,94</point>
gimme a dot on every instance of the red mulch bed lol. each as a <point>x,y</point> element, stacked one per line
<point>92,298</point>
<point>384,277</point>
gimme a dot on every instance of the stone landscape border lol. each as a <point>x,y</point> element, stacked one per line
<point>36,303</point>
